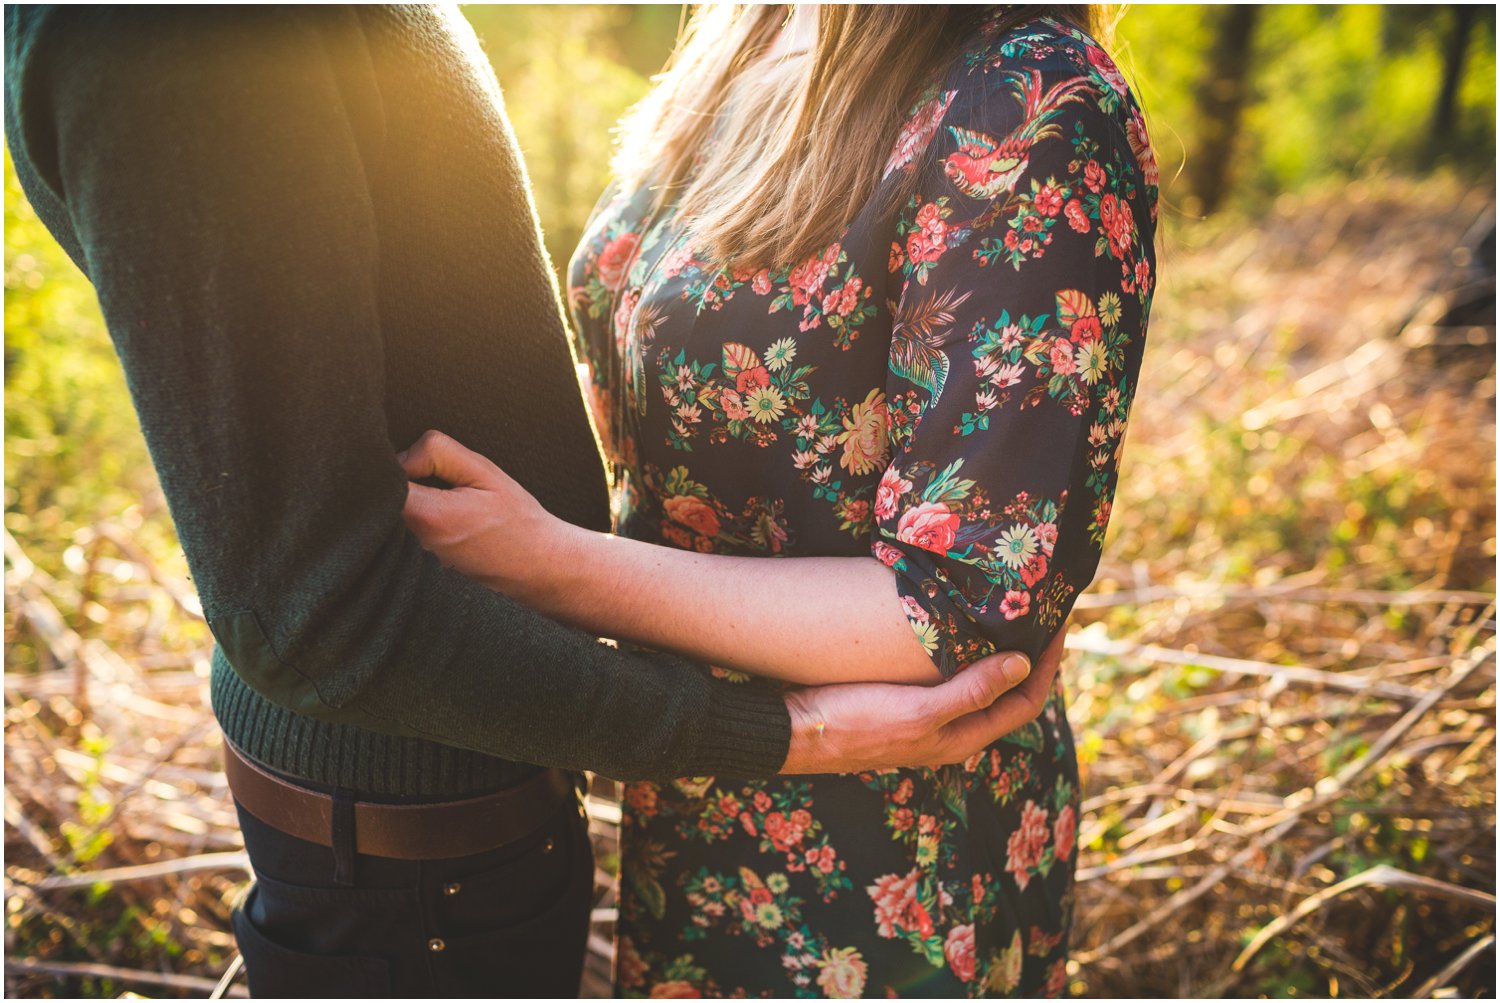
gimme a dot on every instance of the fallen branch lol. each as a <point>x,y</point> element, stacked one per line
<point>1380,876</point>
<point>88,970</point>
<point>1351,681</point>
<point>140,872</point>
<point>1458,964</point>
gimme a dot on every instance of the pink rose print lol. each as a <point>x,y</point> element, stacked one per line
<point>1024,851</point>
<point>929,240</point>
<point>1062,357</point>
<point>1118,225</point>
<point>959,950</point>
<point>1143,275</point>
<point>1093,175</point>
<point>615,258</point>
<point>1064,831</point>
<point>1077,218</point>
<point>734,406</point>
<point>694,513</point>
<point>929,526</point>
<point>1106,68</point>
<point>807,278</point>
<point>896,905</point>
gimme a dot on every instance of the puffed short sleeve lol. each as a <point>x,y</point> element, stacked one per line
<point>1021,274</point>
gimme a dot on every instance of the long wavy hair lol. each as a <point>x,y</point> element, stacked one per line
<point>809,140</point>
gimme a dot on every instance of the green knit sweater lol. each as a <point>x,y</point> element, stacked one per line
<point>312,239</point>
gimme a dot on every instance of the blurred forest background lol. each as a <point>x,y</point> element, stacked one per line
<point>1282,681</point>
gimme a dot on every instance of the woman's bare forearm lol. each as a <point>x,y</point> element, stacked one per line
<point>808,620</point>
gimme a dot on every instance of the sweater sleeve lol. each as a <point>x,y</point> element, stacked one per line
<point>1022,269</point>
<point>207,171</point>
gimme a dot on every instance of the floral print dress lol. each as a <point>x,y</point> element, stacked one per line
<point>944,387</point>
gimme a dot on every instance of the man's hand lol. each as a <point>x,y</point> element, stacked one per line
<point>852,727</point>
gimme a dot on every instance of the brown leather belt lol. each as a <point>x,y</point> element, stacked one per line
<point>403,831</point>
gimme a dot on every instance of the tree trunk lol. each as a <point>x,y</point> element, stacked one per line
<point>1221,98</point>
<point>1457,46</point>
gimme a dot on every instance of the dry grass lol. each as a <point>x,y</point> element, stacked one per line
<point>1283,683</point>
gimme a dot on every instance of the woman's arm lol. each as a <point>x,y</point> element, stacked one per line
<point>1024,269</point>
<point>806,620</point>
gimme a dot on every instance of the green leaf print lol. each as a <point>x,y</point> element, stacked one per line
<point>648,890</point>
<point>952,789</point>
<point>948,486</point>
<point>1028,737</point>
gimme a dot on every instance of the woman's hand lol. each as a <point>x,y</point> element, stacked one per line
<point>485,525</point>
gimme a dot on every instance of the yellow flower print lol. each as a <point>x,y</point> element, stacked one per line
<point>768,915</point>
<point>1109,309</point>
<point>765,404</point>
<point>780,354</point>
<point>842,973</point>
<point>927,850</point>
<point>1005,969</point>
<point>864,436</point>
<point>1092,361</point>
<point>927,634</point>
<point>1016,546</point>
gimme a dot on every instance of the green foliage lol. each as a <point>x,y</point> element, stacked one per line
<point>73,448</point>
<point>1334,90</point>
<point>568,74</point>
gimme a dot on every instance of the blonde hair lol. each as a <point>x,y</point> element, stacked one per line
<point>797,156</point>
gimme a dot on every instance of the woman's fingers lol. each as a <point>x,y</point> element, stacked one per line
<point>437,455</point>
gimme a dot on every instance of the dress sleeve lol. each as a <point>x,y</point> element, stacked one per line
<point>1021,274</point>
<point>600,301</point>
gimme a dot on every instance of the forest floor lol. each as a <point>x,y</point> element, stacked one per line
<point>1282,682</point>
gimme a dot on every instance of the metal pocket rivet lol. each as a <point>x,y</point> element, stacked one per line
<point>452,888</point>
<point>549,845</point>
<point>436,944</point>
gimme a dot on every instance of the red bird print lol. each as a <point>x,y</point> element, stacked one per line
<point>984,167</point>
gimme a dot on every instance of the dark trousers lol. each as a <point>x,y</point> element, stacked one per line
<point>509,922</point>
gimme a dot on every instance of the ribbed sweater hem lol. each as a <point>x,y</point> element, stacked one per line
<point>335,755</point>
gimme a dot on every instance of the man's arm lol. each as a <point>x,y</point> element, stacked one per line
<point>210,177</point>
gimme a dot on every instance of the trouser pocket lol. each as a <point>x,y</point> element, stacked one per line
<point>519,929</point>
<point>277,969</point>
